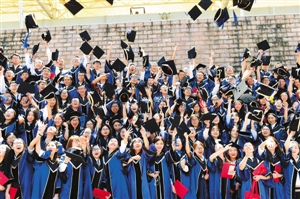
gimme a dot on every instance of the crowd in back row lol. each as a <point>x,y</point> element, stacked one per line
<point>67,133</point>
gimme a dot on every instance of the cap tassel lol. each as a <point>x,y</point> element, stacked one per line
<point>223,24</point>
<point>25,44</point>
<point>235,18</point>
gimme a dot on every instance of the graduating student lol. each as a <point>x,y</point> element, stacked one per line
<point>95,166</point>
<point>10,122</point>
<point>46,182</point>
<point>29,128</point>
<point>4,167</point>
<point>245,169</point>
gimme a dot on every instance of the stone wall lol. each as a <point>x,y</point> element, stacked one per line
<point>159,38</point>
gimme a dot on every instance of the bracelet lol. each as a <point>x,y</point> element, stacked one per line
<point>41,135</point>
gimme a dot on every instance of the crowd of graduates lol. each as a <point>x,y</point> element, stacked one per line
<point>106,130</point>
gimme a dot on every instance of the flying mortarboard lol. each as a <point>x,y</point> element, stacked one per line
<point>208,116</point>
<point>220,72</point>
<point>255,62</point>
<point>73,6</point>
<point>183,128</point>
<point>151,126</point>
<point>297,48</point>
<point>54,55</point>
<point>49,64</point>
<point>280,71</point>
<point>169,68</point>
<point>265,90</point>
<point>140,53</point>
<point>109,90</point>
<point>111,2</point>
<point>205,4</point>
<point>189,111</point>
<point>184,82</point>
<point>227,90</point>
<point>75,154</point>
<point>240,90</point>
<point>145,60</point>
<point>25,44</point>
<point>85,36</point>
<point>141,88</point>
<point>130,35</point>
<point>129,55</point>
<point>266,60</point>
<point>246,53</point>
<point>94,98</point>
<point>35,49</point>
<point>86,48</point>
<point>295,124</point>
<point>32,79</point>
<point>203,93</point>
<point>3,60</point>
<point>195,12</point>
<point>235,2</point>
<point>30,22</point>
<point>256,114</point>
<point>25,87</point>
<point>118,65</point>
<point>296,72</point>
<point>192,53</point>
<point>200,66</point>
<point>101,111</point>
<point>98,52</point>
<point>49,92</point>
<point>123,44</point>
<point>159,63</point>
<point>263,45</point>
<point>46,36</point>
<point>221,17</point>
<point>124,96</point>
<point>175,122</point>
<point>145,105</point>
<point>245,4</point>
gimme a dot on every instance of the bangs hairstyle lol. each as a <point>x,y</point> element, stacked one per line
<point>158,138</point>
<point>71,140</point>
<point>198,143</point>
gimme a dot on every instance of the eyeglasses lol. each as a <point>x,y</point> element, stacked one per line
<point>96,149</point>
<point>18,143</point>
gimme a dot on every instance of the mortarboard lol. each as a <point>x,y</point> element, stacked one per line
<point>266,60</point>
<point>208,116</point>
<point>145,60</point>
<point>260,169</point>
<point>98,52</point>
<point>49,91</point>
<point>140,53</point>
<point>124,95</point>
<point>175,121</point>
<point>195,12</point>
<point>245,4</point>
<point>141,88</point>
<point>86,48</point>
<point>94,97</point>
<point>49,64</point>
<point>240,90</point>
<point>263,45</point>
<point>85,36</point>
<point>169,68</point>
<point>75,154</point>
<point>203,93</point>
<point>205,4</point>
<point>111,2</point>
<point>247,98</point>
<point>183,128</point>
<point>227,89</point>
<point>297,48</point>
<point>70,114</point>
<point>25,87</point>
<point>54,55</point>
<point>130,35</point>
<point>99,193</point>
<point>265,90</point>
<point>118,65</point>
<point>280,91</point>
<point>200,66</point>
<point>220,72</point>
<point>184,82</point>
<point>256,114</point>
<point>2,118</point>
<point>30,22</point>
<point>151,126</point>
<point>129,55</point>
<point>3,60</point>
<point>221,17</point>
<point>145,105</point>
<point>295,124</point>
<point>109,90</point>
<point>101,111</point>
<point>123,44</point>
<point>280,71</point>
<point>180,189</point>
<point>73,6</point>
<point>246,53</point>
<point>35,49</point>
<point>192,53</point>
<point>32,79</point>
<point>296,72</point>
<point>255,62</point>
<point>164,110</point>
<point>189,111</point>
<point>46,36</point>
<point>159,63</point>
<point>235,2</point>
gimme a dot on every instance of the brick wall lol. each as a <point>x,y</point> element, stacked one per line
<point>159,38</point>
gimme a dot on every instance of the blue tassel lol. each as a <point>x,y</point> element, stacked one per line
<point>223,23</point>
<point>235,17</point>
<point>25,44</point>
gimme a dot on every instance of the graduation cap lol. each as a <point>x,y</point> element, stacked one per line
<point>130,35</point>
<point>3,60</point>
<point>98,52</point>
<point>184,82</point>
<point>295,124</point>
<point>297,48</point>
<point>189,111</point>
<point>49,64</point>
<point>280,71</point>
<point>247,98</point>
<point>30,22</point>
<point>169,68</point>
<point>200,66</point>
<point>145,60</point>
<point>203,93</point>
<point>111,2</point>
<point>101,111</point>
<point>195,12</point>
<point>145,105</point>
<point>246,53</point>
<point>46,36</point>
<point>109,90</point>
<point>118,65</point>
<point>25,87</point>
<point>85,36</point>
<point>124,95</point>
<point>73,6</point>
<point>162,60</point>
<point>175,121</point>
<point>220,72</point>
<point>151,126</point>
<point>140,53</point>
<point>205,4</point>
<point>35,49</point>
<point>49,92</point>
<point>255,62</point>
<point>164,110</point>
<point>32,79</point>
<point>183,128</point>
<point>86,48</point>
<point>123,44</point>
<point>296,72</point>
<point>70,114</point>
<point>265,90</point>
<point>94,98</point>
<point>129,55</point>
<point>266,60</point>
<point>245,4</point>
<point>221,17</point>
<point>75,154</point>
<point>141,87</point>
<point>192,53</point>
<point>256,114</point>
<point>280,91</point>
<point>235,2</point>
<point>263,45</point>
<point>227,89</point>
<point>54,55</point>
<point>208,116</point>
<point>240,90</point>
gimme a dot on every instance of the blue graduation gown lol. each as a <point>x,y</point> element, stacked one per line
<point>247,177</point>
<point>113,176</point>
<point>45,176</point>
